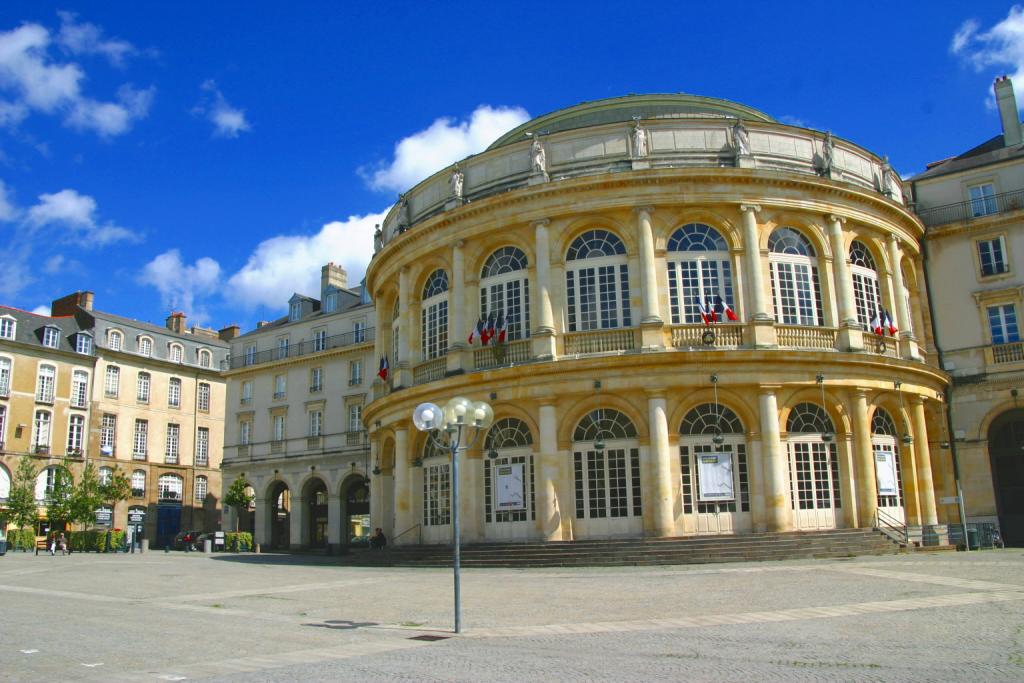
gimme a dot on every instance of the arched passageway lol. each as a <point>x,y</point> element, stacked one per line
<point>1006,451</point>
<point>315,496</point>
<point>356,494</point>
<point>280,511</point>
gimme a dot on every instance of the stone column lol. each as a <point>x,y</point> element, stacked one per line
<point>844,283</point>
<point>778,513</point>
<point>648,273</point>
<point>757,484</point>
<point>403,505</point>
<point>262,531</point>
<point>544,334</point>
<point>762,326</point>
<point>924,463</point>
<point>908,342</point>
<point>298,524</point>
<point>403,364</point>
<point>337,533</point>
<point>376,487</point>
<point>867,487</point>
<point>549,514</point>
<point>457,331</point>
<point>661,466</point>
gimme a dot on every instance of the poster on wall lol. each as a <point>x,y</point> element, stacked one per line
<point>885,472</point>
<point>715,472</point>
<point>509,487</point>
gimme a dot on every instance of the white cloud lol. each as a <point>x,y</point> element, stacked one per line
<point>181,285</point>
<point>228,121</point>
<point>42,309</point>
<point>87,39</point>
<point>291,263</point>
<point>53,264</point>
<point>76,213</point>
<point>8,212</point>
<point>35,81</point>
<point>1001,46</point>
<point>444,142</point>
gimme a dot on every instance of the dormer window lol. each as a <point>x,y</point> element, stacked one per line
<point>51,337</point>
<point>331,302</point>
<point>7,328</point>
<point>145,346</point>
<point>83,343</point>
<point>175,352</point>
<point>114,340</point>
<point>295,311</point>
<point>205,359</point>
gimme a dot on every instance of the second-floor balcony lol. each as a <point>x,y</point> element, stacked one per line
<point>962,212</point>
<point>303,348</point>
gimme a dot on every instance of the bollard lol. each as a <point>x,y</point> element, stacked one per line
<point>207,546</point>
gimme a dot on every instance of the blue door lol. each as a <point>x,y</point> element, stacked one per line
<point>168,523</point>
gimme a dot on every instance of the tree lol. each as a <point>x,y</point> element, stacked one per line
<point>85,497</point>
<point>22,508</point>
<point>59,499</point>
<point>239,498</point>
<point>118,488</point>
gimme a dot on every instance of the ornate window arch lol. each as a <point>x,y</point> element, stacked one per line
<point>606,423</point>
<point>796,286</point>
<point>813,466</point>
<point>867,295</point>
<point>509,477</point>
<point>607,478</point>
<point>434,316</point>
<point>708,418</point>
<point>505,290</point>
<point>169,487</point>
<point>115,340</point>
<point>720,462</point>
<point>508,432</point>
<point>698,270</point>
<point>597,282</point>
<point>809,418</point>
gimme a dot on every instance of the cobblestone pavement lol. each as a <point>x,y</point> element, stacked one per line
<point>175,617</point>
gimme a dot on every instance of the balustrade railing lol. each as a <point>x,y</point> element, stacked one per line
<point>599,341</point>
<point>883,346</point>
<point>430,371</point>
<point>494,356</point>
<point>696,336</point>
<point>800,337</point>
<point>1007,353</point>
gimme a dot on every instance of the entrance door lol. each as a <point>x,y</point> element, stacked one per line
<point>318,518</point>
<point>715,512</point>
<point>168,523</point>
<point>508,497</point>
<point>607,487</point>
<point>889,477</point>
<point>814,477</point>
<point>1006,449</point>
<point>357,510</point>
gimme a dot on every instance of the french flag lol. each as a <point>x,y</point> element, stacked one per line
<point>876,323</point>
<point>706,314</point>
<point>889,324</point>
<point>723,308</point>
<point>488,332</point>
<point>383,371</point>
<point>502,327</point>
<point>478,331</point>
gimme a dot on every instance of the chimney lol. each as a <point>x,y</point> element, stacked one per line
<point>260,324</point>
<point>332,275</point>
<point>176,322</point>
<point>69,305</point>
<point>1008,111</point>
<point>228,333</point>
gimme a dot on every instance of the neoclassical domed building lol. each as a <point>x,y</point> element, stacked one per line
<point>604,235</point>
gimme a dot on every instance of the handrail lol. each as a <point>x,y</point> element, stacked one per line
<point>303,348</point>
<point>891,526</point>
<point>414,526</point>
<point>972,208</point>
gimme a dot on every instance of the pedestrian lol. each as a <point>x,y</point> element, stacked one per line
<point>62,544</point>
<point>53,545</point>
<point>378,541</point>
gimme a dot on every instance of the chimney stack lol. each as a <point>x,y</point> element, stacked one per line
<point>176,322</point>
<point>332,275</point>
<point>69,305</point>
<point>1008,114</point>
<point>228,333</point>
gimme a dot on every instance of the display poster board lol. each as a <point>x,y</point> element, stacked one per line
<point>885,472</point>
<point>136,515</point>
<point>104,517</point>
<point>218,538</point>
<point>715,472</point>
<point>509,489</point>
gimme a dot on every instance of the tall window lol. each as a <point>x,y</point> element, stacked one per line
<point>331,302</point>
<point>395,324</point>
<point>992,256</point>
<point>203,398</point>
<point>355,372</point>
<point>142,388</point>
<point>176,353</point>
<point>244,432</point>
<point>280,386</point>
<point>7,328</point>
<point>1002,323</point>
<point>172,444</point>
<point>169,487</point>
<point>145,346</point>
<point>359,332</point>
<point>247,391</point>
<point>983,199</point>
<point>282,347</point>
<point>319,340</point>
<point>698,271</point>
<point>111,381</point>
<point>174,393</point>
<point>108,433</point>
<point>715,477</point>
<point>139,483</point>
<point>114,340</point>
<point>597,282</point>
<point>76,433</point>
<point>505,289</point>
<point>888,472</point>
<point>201,488</point>
<point>437,479</point>
<point>316,380</point>
<point>41,430</point>
<point>202,447</point>
<point>796,290</point>
<point>5,376</point>
<point>105,475</point>
<point>606,479</point>
<point>434,314</point>
<point>79,388</point>
<point>51,337</point>
<point>140,440</point>
<point>279,424</point>
<point>295,311</point>
<point>867,296</point>
<point>813,464</point>
<point>511,439</point>
<point>250,354</point>
<point>3,431</point>
<point>205,358</point>
<point>355,417</point>
<point>83,343</point>
<point>316,422</point>
<point>45,383</point>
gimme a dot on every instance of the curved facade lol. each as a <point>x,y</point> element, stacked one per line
<point>604,236</point>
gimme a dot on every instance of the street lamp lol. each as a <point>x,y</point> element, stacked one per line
<point>446,428</point>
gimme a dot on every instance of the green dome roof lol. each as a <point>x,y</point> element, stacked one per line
<point>621,109</point>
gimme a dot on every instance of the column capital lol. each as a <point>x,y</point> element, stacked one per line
<point>754,208</point>
<point>655,393</point>
<point>643,209</point>
<point>861,392</point>
<point>766,389</point>
<point>917,399</point>
<point>458,244</point>
<point>891,239</point>
<point>540,223</point>
<point>836,218</point>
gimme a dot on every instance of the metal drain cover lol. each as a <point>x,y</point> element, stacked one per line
<point>429,638</point>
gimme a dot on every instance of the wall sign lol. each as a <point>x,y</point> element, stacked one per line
<point>715,472</point>
<point>509,487</point>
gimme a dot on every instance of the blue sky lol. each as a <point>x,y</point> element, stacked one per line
<point>211,156</point>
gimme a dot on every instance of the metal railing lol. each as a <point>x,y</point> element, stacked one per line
<point>303,348</point>
<point>418,528</point>
<point>972,209</point>
<point>891,526</point>
<point>599,341</point>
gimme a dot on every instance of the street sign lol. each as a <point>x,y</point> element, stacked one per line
<point>104,517</point>
<point>949,500</point>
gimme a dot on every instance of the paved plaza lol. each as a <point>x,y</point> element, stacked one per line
<point>175,617</point>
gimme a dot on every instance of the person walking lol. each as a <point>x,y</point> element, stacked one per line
<point>62,543</point>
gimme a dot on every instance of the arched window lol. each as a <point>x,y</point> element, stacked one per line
<point>202,485</point>
<point>79,388</point>
<point>505,290</point>
<point>888,472</point>
<point>114,340</point>
<point>169,487</point>
<point>508,477</point>
<point>434,316</point>
<point>867,295</point>
<point>5,377</point>
<point>139,484</point>
<point>698,271</point>
<point>205,358</point>
<point>45,382</point>
<point>606,469</point>
<point>395,323</point>
<point>813,466</point>
<point>5,480</point>
<point>715,477</point>
<point>597,282</point>
<point>48,479</point>
<point>105,475</point>
<point>796,288</point>
<point>144,345</point>
<point>175,352</point>
<point>437,478</point>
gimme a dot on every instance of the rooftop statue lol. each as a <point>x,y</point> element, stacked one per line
<point>538,156</point>
<point>740,139</point>
<point>639,139</point>
<point>455,182</point>
<point>828,151</point>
